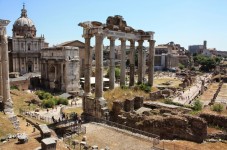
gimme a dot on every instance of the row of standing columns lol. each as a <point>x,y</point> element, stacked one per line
<point>99,63</point>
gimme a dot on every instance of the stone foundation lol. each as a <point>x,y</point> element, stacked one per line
<point>167,123</point>
<point>95,107</point>
<point>215,120</point>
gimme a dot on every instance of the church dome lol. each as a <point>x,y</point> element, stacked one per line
<point>23,22</point>
<point>24,26</point>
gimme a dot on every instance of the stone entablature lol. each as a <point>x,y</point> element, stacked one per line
<point>60,68</point>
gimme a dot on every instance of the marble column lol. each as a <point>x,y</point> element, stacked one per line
<point>87,69</point>
<point>123,61</point>
<point>8,103</point>
<point>140,62</point>
<point>151,62</point>
<point>62,76</point>
<point>132,63</point>
<point>1,82</point>
<point>112,63</point>
<point>99,66</point>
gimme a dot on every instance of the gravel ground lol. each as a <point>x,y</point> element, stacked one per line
<point>103,136</point>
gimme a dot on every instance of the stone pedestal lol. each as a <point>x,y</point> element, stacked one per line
<point>129,105</point>
<point>138,102</point>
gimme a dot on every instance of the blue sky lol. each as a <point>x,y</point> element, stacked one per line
<point>186,22</point>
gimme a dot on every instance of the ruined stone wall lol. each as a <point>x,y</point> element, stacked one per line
<point>168,127</point>
<point>167,123</point>
<point>156,95</point>
<point>215,120</point>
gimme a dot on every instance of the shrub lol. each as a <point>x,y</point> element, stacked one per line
<point>62,101</point>
<point>14,87</point>
<point>217,107</point>
<point>43,95</point>
<point>181,66</point>
<point>197,105</point>
<point>168,101</point>
<point>145,87</point>
<point>48,103</point>
<point>117,73</point>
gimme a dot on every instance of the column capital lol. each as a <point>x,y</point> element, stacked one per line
<point>99,34</point>
<point>132,41</point>
<point>122,39</point>
<point>151,41</point>
<point>112,38</point>
<point>140,42</point>
<point>88,36</point>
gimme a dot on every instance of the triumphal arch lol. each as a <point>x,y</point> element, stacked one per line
<point>114,29</point>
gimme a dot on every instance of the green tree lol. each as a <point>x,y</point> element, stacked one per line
<point>117,73</point>
<point>207,63</point>
<point>181,66</point>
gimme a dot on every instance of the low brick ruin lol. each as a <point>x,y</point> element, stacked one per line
<point>215,120</point>
<point>166,123</point>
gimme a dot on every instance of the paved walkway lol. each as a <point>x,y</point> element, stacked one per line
<point>193,91</point>
<point>222,95</point>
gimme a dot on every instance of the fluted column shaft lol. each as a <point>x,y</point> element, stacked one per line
<point>99,66</point>
<point>151,62</point>
<point>87,69</point>
<point>140,62</point>
<point>112,63</point>
<point>123,65</point>
<point>132,63</point>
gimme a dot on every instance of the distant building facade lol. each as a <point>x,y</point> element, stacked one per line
<point>169,56</point>
<point>197,49</point>
<point>24,46</point>
<point>81,46</point>
<point>60,68</point>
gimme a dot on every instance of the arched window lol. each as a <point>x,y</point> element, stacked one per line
<point>29,46</point>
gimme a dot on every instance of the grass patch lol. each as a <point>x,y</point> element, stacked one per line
<point>6,126</point>
<point>217,107</point>
<point>122,94</point>
<point>20,100</point>
<point>77,110</point>
<point>174,82</point>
